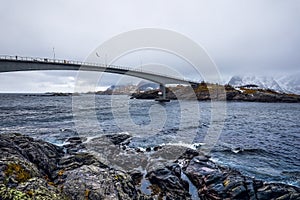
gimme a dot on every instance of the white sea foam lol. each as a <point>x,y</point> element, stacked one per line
<point>191,146</point>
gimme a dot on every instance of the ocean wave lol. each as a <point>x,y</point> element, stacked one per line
<point>182,144</point>
<point>241,150</point>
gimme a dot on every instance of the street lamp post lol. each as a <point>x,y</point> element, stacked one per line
<point>53,53</point>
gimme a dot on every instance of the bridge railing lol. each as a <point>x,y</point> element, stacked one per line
<point>60,61</point>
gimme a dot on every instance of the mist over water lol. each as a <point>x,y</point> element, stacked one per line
<point>261,140</point>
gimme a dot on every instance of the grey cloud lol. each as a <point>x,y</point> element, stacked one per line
<point>250,36</point>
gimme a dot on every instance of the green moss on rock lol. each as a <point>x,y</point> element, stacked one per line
<point>12,194</point>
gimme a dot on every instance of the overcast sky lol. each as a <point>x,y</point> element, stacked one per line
<point>261,37</point>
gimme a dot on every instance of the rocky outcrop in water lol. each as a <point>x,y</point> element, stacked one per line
<point>215,182</point>
<point>34,169</point>
<point>205,92</point>
<point>260,95</point>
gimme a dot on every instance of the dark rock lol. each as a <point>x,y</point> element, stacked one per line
<point>113,155</point>
<point>95,182</point>
<point>239,192</point>
<point>295,195</point>
<point>118,138</point>
<point>264,193</point>
<point>148,149</point>
<point>250,188</point>
<point>168,179</point>
<point>215,182</point>
<point>138,150</point>
<point>136,176</point>
<point>74,144</point>
<point>157,148</point>
<point>44,155</point>
<point>214,177</point>
<point>33,169</point>
<point>153,94</point>
<point>257,184</point>
<point>75,140</point>
<point>54,94</point>
<point>70,162</point>
<point>25,167</point>
<point>189,154</point>
<point>173,153</point>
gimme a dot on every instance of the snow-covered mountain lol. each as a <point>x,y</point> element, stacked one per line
<point>147,85</point>
<point>290,83</point>
<point>261,81</point>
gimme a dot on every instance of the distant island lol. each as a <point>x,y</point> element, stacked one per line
<point>202,92</point>
<point>208,91</point>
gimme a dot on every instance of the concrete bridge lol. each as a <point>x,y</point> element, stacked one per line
<point>18,63</point>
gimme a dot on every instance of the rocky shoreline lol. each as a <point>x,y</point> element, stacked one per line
<point>34,169</point>
<point>206,92</point>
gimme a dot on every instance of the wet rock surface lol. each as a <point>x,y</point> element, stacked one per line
<point>34,169</point>
<point>215,182</point>
<point>168,179</point>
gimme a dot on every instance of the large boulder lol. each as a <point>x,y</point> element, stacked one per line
<point>25,167</point>
<point>168,180</point>
<point>33,169</point>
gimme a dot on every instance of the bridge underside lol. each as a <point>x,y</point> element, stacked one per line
<point>33,65</point>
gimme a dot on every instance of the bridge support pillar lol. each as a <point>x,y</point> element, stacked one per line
<point>163,97</point>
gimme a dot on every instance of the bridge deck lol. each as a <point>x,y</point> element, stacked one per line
<point>19,63</point>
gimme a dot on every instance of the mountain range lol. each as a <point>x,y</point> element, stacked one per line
<point>286,84</point>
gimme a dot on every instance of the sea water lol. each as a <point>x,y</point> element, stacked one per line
<point>261,140</point>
